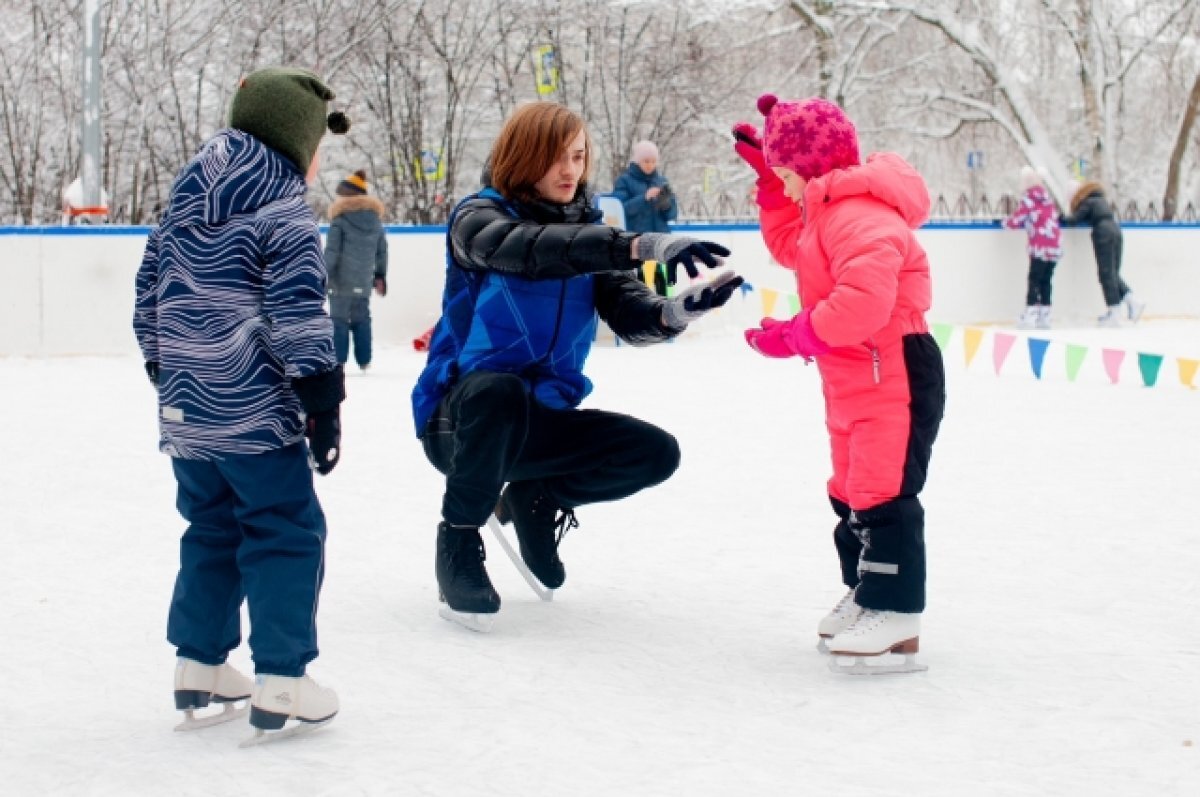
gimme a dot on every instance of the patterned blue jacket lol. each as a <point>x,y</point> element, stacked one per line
<point>524,285</point>
<point>230,302</point>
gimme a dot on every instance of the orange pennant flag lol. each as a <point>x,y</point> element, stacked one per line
<point>1187,371</point>
<point>972,337</point>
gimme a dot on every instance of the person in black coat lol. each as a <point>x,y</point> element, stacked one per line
<point>528,270</point>
<point>1090,206</point>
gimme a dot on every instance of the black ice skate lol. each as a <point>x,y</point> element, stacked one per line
<point>465,590</point>
<point>540,528</point>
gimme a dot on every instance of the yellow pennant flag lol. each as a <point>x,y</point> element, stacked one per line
<point>769,297</point>
<point>972,337</point>
<point>1187,370</point>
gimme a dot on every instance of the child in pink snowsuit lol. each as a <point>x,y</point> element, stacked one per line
<point>846,229</point>
<point>1038,216</point>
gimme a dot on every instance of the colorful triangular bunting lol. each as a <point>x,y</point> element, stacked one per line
<point>1037,354</point>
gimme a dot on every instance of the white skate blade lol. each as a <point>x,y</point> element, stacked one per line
<point>515,557</point>
<point>301,728</point>
<point>472,621</point>
<point>887,664</point>
<point>229,713</point>
<point>822,647</point>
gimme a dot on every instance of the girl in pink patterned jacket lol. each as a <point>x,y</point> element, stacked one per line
<point>846,228</point>
<point>1038,216</point>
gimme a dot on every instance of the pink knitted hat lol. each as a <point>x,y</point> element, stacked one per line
<point>811,137</point>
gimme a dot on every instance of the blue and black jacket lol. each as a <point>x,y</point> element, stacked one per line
<point>525,282</point>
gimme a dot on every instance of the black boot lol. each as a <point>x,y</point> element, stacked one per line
<point>462,579</point>
<point>540,528</point>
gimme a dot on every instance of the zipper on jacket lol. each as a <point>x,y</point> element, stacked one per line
<point>562,298</point>
<point>874,359</point>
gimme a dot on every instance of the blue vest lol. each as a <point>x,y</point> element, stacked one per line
<point>541,330</point>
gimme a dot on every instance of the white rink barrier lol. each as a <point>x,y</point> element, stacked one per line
<point>69,291</point>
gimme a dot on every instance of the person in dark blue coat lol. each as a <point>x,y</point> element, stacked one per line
<point>1090,207</point>
<point>528,270</point>
<point>650,203</point>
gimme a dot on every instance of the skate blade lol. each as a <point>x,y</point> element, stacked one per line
<point>822,647</point>
<point>301,728</point>
<point>887,665</point>
<point>515,557</point>
<point>229,713</point>
<point>472,621</point>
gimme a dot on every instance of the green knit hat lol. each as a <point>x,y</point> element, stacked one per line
<point>284,108</point>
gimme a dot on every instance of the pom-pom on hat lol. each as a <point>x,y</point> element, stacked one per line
<point>285,108</point>
<point>1030,177</point>
<point>811,137</point>
<point>354,185</point>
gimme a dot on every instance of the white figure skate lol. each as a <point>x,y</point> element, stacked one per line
<point>840,618</point>
<point>197,685</point>
<point>278,698</point>
<point>863,648</point>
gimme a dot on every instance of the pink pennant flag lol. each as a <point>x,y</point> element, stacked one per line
<point>1112,363</point>
<point>1001,345</point>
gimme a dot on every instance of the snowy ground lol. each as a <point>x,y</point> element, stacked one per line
<point>1061,634</point>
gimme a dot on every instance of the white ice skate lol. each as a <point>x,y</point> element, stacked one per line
<point>472,621</point>
<point>1028,318</point>
<point>518,562</point>
<point>839,619</point>
<point>1134,307</point>
<point>278,698</point>
<point>863,647</point>
<point>1112,318</point>
<point>197,685</point>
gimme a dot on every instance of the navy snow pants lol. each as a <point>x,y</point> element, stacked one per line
<point>255,531</point>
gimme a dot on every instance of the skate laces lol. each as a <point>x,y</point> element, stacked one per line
<point>564,523</point>
<point>867,621</point>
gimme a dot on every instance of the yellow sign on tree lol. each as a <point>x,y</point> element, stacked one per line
<point>545,69</point>
<point>430,166</point>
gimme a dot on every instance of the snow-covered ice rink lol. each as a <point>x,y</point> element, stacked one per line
<point>1061,636</point>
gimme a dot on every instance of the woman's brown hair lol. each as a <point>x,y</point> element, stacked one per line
<point>530,142</point>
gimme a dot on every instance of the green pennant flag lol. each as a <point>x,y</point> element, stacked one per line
<point>942,333</point>
<point>1075,355</point>
<point>1149,365</point>
<point>794,303</point>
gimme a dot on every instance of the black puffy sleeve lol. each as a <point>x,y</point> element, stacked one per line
<point>631,309</point>
<point>487,238</point>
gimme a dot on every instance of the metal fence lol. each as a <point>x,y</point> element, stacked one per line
<point>733,208</point>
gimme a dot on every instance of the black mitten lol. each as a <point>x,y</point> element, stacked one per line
<point>320,395</point>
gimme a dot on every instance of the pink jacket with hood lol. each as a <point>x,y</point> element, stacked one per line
<point>858,264</point>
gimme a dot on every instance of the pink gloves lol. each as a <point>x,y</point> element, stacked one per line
<point>748,146</point>
<point>792,338</point>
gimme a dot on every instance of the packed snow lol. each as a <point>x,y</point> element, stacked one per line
<point>679,658</point>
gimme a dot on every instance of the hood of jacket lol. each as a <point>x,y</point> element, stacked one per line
<point>1084,191</point>
<point>634,172</point>
<point>233,174</point>
<point>885,176</point>
<point>363,212</point>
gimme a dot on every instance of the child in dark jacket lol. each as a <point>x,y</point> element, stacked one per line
<point>356,254</point>
<point>1037,215</point>
<point>528,269</point>
<point>230,319</point>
